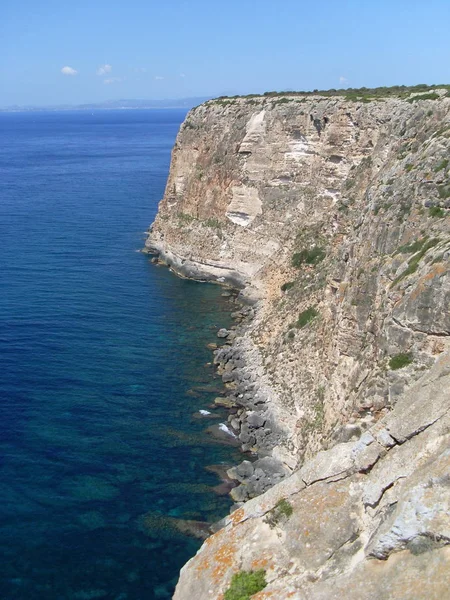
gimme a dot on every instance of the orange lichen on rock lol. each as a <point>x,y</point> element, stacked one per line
<point>237,516</point>
<point>260,563</point>
<point>223,559</point>
<point>263,595</point>
<point>220,558</point>
<point>436,271</point>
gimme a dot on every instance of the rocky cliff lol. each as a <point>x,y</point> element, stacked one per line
<point>331,216</point>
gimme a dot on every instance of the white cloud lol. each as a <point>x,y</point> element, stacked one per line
<point>140,70</point>
<point>343,80</point>
<point>158,77</point>
<point>104,69</point>
<point>69,71</point>
<point>112,80</point>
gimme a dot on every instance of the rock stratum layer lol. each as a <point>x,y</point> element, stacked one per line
<point>332,217</point>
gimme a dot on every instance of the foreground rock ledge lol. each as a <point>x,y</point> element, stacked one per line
<point>370,519</point>
<point>332,217</point>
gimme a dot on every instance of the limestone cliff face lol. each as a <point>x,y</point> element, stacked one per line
<point>332,216</point>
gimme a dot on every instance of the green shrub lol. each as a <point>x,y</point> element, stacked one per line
<point>436,211</point>
<point>212,223</point>
<point>414,261</point>
<point>430,96</point>
<point>413,247</point>
<point>444,191</point>
<point>185,218</point>
<point>306,317</point>
<point>281,511</point>
<point>442,165</point>
<point>312,256</point>
<point>284,507</point>
<point>349,183</point>
<point>398,361</point>
<point>287,286</point>
<point>245,584</point>
<point>363,94</point>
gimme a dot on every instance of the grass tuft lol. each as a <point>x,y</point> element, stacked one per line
<point>281,511</point>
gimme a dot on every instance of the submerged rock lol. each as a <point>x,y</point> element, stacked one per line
<point>223,433</point>
<point>87,487</point>
<point>225,402</point>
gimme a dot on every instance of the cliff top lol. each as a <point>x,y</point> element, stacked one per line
<point>411,93</point>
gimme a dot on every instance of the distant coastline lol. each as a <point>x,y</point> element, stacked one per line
<point>129,104</point>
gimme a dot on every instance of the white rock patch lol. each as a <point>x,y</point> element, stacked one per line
<point>245,205</point>
<point>297,150</point>
<point>255,129</point>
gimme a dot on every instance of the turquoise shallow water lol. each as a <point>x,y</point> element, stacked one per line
<point>99,352</point>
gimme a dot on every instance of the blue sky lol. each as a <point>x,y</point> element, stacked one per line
<point>179,48</point>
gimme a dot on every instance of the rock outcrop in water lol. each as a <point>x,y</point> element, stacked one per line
<point>332,216</point>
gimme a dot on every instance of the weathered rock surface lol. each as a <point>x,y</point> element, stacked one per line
<point>332,217</point>
<point>370,519</point>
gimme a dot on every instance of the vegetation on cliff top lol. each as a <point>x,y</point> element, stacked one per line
<point>363,94</point>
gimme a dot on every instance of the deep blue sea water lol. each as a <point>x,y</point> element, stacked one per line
<point>99,352</point>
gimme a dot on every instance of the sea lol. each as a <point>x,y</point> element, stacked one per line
<point>104,364</point>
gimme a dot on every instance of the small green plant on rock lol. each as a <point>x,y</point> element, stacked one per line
<point>436,211</point>
<point>287,286</point>
<point>280,512</point>
<point>398,361</point>
<point>311,256</point>
<point>245,584</point>
<point>444,191</point>
<point>442,165</point>
<point>185,218</point>
<point>212,223</point>
<point>306,317</point>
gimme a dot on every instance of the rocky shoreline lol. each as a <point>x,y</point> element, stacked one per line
<point>246,398</point>
<point>249,417</point>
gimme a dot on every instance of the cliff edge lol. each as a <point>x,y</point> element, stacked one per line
<point>332,217</point>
